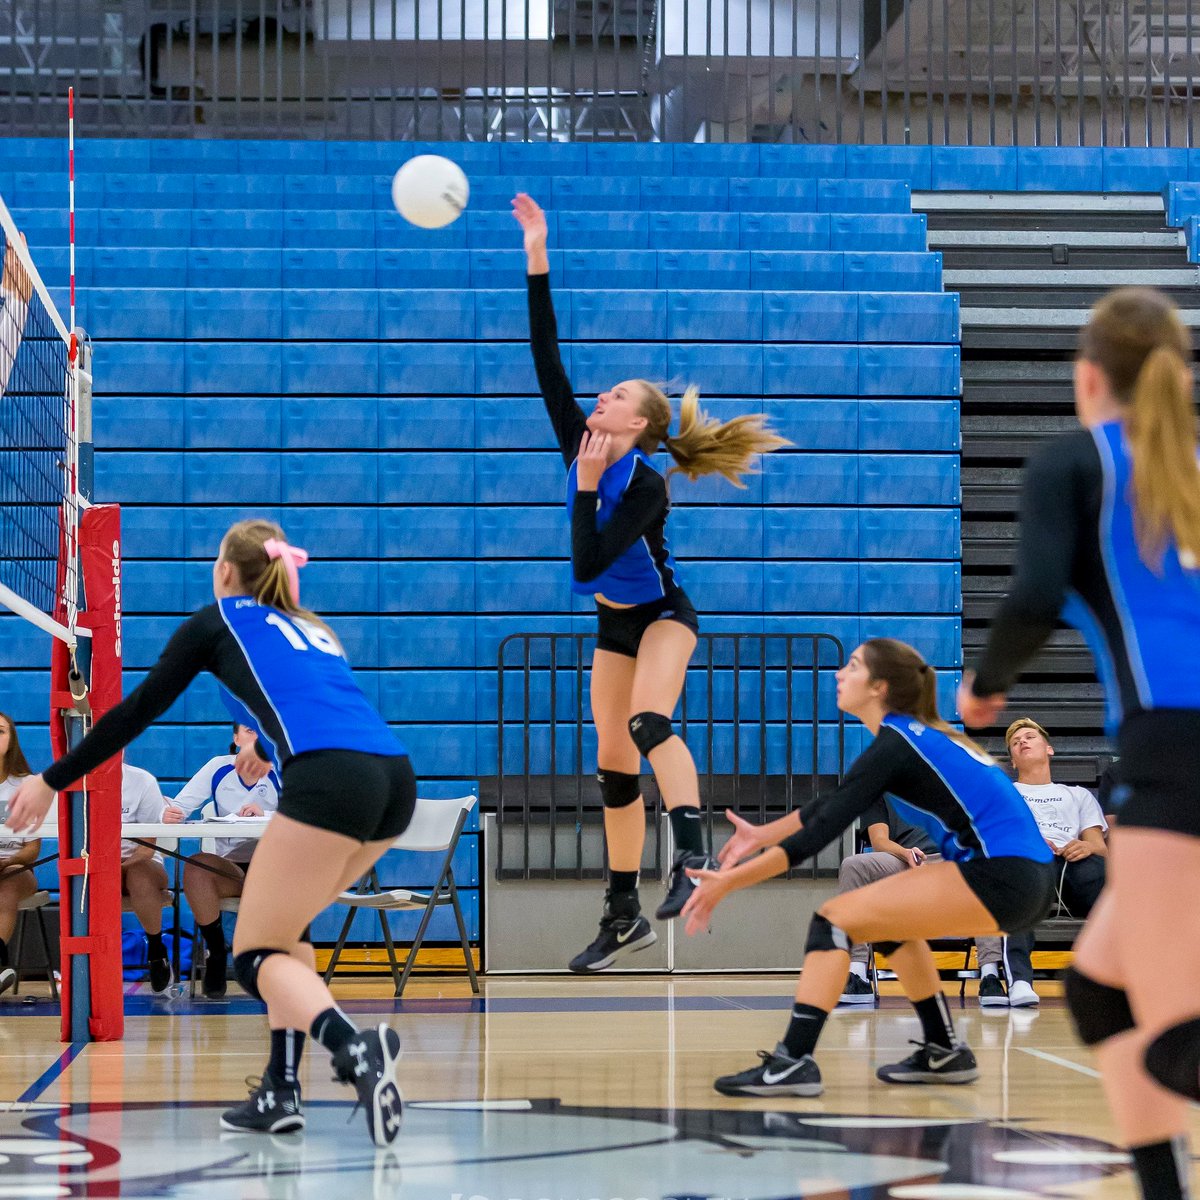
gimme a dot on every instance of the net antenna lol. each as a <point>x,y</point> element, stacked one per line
<point>44,385</point>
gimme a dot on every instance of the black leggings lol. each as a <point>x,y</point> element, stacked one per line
<point>1080,887</point>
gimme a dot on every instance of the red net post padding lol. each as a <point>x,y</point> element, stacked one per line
<point>100,566</point>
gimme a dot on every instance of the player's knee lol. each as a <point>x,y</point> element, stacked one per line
<point>1173,1059</point>
<point>649,730</point>
<point>618,789</point>
<point>824,935</point>
<point>1099,1012</point>
<point>247,965</point>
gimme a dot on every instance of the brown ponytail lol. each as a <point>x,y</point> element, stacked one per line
<point>265,578</point>
<point>703,445</point>
<point>1136,338</point>
<point>911,685</point>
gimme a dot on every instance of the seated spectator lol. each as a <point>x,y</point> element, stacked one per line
<point>210,878</point>
<point>17,881</point>
<point>895,846</point>
<point>143,876</point>
<point>1074,827</point>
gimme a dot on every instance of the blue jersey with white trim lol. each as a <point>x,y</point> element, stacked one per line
<point>962,799</point>
<point>630,505</point>
<point>1079,561</point>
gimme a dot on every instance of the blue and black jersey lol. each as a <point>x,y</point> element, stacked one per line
<point>964,801</point>
<point>1079,561</point>
<point>618,532</point>
<point>290,674</point>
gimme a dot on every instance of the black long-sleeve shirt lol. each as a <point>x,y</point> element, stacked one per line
<point>618,530</point>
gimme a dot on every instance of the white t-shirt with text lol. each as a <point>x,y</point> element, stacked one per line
<point>142,802</point>
<point>1062,812</point>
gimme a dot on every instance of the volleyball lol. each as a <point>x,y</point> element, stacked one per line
<point>430,191</point>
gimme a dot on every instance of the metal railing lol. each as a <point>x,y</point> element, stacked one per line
<point>903,72</point>
<point>758,713</point>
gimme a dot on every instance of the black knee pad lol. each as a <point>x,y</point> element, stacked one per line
<point>887,949</point>
<point>246,967</point>
<point>306,936</point>
<point>648,730</point>
<point>618,789</point>
<point>1173,1059</point>
<point>1099,1012</point>
<point>824,935</point>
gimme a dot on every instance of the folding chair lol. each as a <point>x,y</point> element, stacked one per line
<point>435,829</point>
<point>35,904</point>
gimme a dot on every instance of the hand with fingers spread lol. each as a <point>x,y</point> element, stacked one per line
<point>30,803</point>
<point>532,220</point>
<point>747,839</point>
<point>711,888</point>
<point>978,712</point>
<point>592,461</point>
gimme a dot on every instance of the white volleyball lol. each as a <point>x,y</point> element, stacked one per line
<point>430,191</point>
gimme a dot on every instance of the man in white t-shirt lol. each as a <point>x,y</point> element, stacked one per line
<point>143,876</point>
<point>1073,825</point>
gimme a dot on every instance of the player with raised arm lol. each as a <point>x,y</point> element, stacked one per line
<point>647,625</point>
<point>348,792</point>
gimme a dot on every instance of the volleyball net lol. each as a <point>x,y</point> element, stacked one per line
<point>60,584</point>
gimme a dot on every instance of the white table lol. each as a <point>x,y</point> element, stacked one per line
<point>139,830</point>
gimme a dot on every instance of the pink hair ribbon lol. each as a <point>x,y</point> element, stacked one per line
<point>293,558</point>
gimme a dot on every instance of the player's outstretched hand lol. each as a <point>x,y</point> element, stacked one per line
<point>709,891</point>
<point>747,839</point>
<point>532,220</point>
<point>978,712</point>
<point>30,804</point>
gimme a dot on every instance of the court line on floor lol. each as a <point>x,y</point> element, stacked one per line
<point>52,1072</point>
<point>1091,1072</point>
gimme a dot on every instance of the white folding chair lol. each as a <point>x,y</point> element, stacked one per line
<point>435,829</point>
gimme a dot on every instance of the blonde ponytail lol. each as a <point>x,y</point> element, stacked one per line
<point>704,445</point>
<point>1161,428</point>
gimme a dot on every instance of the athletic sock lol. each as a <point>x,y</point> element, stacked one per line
<point>687,829</point>
<point>1162,1169</point>
<point>990,969</point>
<point>804,1029</point>
<point>214,937</point>
<point>623,881</point>
<point>936,1025</point>
<point>859,969</point>
<point>154,946</point>
<point>286,1047</point>
<point>333,1029</point>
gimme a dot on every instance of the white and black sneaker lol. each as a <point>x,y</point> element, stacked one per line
<point>368,1064</point>
<point>991,992</point>
<point>680,884</point>
<point>161,974</point>
<point>8,979</point>
<point>617,936</point>
<point>857,991</point>
<point>270,1108</point>
<point>930,1063</point>
<point>778,1074</point>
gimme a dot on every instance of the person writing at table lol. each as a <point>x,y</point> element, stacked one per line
<point>210,878</point>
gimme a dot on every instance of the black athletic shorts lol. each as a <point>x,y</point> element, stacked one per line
<point>1158,775</point>
<point>621,629</point>
<point>369,797</point>
<point>1018,892</point>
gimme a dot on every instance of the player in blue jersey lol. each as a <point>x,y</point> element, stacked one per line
<point>1110,542</point>
<point>348,792</point>
<point>647,625</point>
<point>996,872</point>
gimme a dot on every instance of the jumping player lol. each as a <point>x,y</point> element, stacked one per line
<point>348,792</point>
<point>647,625</point>
<point>1110,543</point>
<point>995,872</point>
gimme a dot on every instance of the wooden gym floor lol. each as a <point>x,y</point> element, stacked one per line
<point>559,1089</point>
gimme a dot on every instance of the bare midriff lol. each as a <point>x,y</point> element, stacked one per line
<point>602,599</point>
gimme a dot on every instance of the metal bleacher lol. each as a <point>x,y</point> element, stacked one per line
<point>272,338</point>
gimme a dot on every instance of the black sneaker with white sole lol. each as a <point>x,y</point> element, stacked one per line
<point>680,884</point>
<point>992,993</point>
<point>618,936</point>
<point>214,982</point>
<point>933,1064</point>
<point>368,1064</point>
<point>270,1108</point>
<point>777,1074</point>
<point>857,991</point>
<point>161,975</point>
<point>8,979</point>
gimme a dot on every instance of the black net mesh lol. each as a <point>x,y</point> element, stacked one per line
<point>34,434</point>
